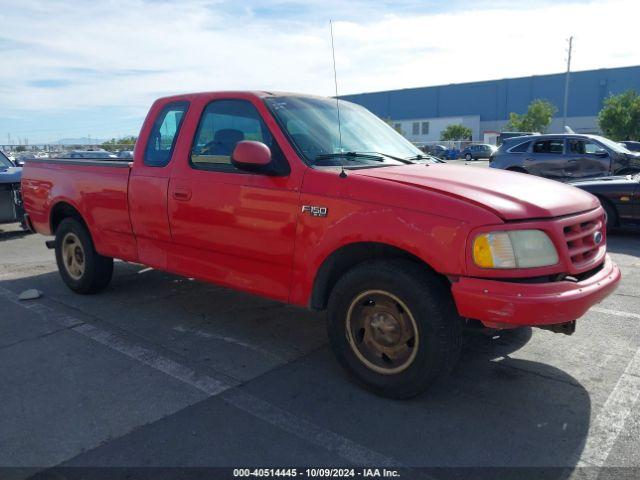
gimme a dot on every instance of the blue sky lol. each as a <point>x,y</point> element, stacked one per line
<point>76,68</point>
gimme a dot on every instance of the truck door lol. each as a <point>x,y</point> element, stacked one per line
<point>586,158</point>
<point>230,226</point>
<point>149,182</point>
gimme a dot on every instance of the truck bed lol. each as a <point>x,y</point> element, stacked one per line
<point>97,189</point>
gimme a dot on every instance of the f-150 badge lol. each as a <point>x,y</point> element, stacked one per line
<point>315,211</point>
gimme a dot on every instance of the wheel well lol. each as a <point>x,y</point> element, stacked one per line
<point>345,258</point>
<point>61,211</point>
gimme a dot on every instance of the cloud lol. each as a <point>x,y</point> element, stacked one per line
<point>49,83</point>
<point>117,56</point>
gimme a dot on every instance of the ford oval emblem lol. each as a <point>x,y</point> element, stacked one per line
<point>597,237</point>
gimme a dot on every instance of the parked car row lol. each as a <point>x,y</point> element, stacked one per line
<point>99,155</point>
<point>607,169</point>
<point>470,152</point>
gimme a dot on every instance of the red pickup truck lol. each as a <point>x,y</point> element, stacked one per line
<point>269,194</point>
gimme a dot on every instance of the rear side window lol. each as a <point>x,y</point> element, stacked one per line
<point>548,146</point>
<point>520,148</point>
<point>164,134</point>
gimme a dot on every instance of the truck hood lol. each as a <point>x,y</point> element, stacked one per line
<point>510,195</point>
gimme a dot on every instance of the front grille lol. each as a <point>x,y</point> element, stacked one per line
<point>581,243</point>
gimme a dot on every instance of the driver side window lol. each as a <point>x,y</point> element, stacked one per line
<point>223,124</point>
<point>582,147</point>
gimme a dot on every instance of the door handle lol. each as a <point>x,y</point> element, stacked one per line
<point>182,194</point>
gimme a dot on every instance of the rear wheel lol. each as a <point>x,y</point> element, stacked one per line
<point>80,266</point>
<point>468,157</point>
<point>393,327</point>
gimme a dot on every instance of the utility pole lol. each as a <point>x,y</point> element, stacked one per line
<point>566,83</point>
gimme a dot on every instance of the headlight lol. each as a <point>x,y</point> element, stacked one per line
<point>514,249</point>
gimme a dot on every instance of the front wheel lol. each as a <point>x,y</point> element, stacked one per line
<point>468,157</point>
<point>82,268</point>
<point>393,327</point>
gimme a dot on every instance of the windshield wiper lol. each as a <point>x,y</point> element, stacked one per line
<point>407,161</point>
<point>419,157</point>
<point>369,156</point>
<point>428,158</point>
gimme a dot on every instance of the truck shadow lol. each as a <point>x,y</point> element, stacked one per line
<point>494,411</point>
<point>12,232</point>
<point>624,241</point>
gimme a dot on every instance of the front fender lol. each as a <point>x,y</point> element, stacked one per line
<point>438,241</point>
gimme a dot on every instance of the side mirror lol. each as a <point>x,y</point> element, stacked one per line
<point>601,153</point>
<point>253,157</point>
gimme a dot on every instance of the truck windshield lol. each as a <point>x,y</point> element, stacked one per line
<point>312,126</point>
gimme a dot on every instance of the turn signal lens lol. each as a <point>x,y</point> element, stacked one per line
<point>514,249</point>
<point>482,252</point>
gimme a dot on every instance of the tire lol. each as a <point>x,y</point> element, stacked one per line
<point>397,292</point>
<point>83,269</point>
<point>611,215</point>
<point>468,157</point>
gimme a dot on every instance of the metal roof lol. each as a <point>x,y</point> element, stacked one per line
<point>495,99</point>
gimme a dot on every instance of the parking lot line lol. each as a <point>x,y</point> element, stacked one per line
<point>204,383</point>
<point>610,421</point>
<point>331,441</point>
<point>617,313</point>
<point>346,449</point>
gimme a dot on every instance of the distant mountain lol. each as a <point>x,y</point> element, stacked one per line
<point>78,141</point>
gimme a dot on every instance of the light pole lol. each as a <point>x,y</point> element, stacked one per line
<point>566,84</point>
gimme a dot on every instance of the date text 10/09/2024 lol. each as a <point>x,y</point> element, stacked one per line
<point>317,472</point>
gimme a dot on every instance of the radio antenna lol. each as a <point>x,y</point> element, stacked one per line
<point>335,81</point>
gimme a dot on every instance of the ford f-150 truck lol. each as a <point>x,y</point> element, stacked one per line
<point>321,204</point>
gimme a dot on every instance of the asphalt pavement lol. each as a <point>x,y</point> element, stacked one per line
<point>163,371</point>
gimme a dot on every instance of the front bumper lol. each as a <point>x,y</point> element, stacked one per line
<point>508,304</point>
